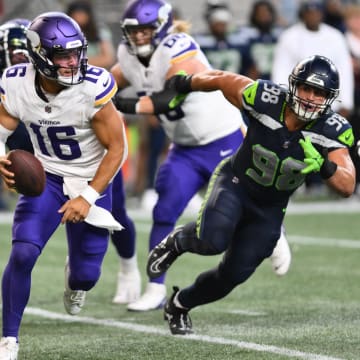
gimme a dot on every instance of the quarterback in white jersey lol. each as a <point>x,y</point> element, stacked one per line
<point>78,135</point>
<point>204,128</point>
<point>63,139</point>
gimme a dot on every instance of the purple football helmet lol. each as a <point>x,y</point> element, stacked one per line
<point>146,13</point>
<point>13,43</point>
<point>56,33</point>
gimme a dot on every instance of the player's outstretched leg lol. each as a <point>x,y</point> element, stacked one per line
<point>163,255</point>
<point>281,256</point>
<point>177,317</point>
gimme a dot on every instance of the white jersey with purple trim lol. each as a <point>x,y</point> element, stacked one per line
<point>203,117</point>
<point>60,129</point>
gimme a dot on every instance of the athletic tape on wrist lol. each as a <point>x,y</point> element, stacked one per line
<point>90,194</point>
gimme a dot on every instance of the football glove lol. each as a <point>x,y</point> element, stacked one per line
<point>313,158</point>
<point>169,98</point>
<point>315,161</point>
<point>125,105</point>
<point>181,82</point>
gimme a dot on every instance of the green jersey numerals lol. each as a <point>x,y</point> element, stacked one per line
<point>269,170</point>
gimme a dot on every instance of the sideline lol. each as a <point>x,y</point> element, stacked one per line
<point>160,331</point>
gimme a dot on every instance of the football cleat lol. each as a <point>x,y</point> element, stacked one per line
<point>178,318</point>
<point>74,300</point>
<point>281,256</point>
<point>128,287</point>
<point>153,298</point>
<point>163,255</point>
<point>9,348</point>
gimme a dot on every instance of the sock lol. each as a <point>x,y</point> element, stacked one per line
<point>128,265</point>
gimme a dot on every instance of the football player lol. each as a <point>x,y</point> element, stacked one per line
<point>13,51</point>
<point>292,133</point>
<point>79,137</point>
<point>204,128</point>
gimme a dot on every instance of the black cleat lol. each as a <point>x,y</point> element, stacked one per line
<point>163,255</point>
<point>178,318</point>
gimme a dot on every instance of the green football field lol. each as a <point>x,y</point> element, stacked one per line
<point>311,313</point>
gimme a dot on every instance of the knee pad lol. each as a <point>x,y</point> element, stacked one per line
<point>24,255</point>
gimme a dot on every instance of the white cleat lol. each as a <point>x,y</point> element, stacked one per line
<point>153,298</point>
<point>281,256</point>
<point>128,287</point>
<point>9,348</point>
<point>74,300</point>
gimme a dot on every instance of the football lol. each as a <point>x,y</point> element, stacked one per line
<point>29,173</point>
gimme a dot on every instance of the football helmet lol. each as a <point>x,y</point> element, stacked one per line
<point>318,72</point>
<point>13,43</point>
<point>156,14</point>
<point>55,33</point>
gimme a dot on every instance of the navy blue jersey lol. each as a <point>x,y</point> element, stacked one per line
<point>230,54</point>
<point>270,160</point>
<point>262,46</point>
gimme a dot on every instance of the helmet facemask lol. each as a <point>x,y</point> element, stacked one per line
<point>73,75</point>
<point>305,109</point>
<point>318,74</point>
<point>154,15</point>
<point>13,45</point>
<point>144,50</point>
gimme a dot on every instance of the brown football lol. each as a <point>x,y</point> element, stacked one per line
<point>29,173</point>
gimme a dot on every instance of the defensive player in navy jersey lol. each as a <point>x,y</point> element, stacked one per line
<point>13,51</point>
<point>292,133</point>
<point>79,137</point>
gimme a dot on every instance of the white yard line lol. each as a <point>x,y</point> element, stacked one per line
<point>160,331</point>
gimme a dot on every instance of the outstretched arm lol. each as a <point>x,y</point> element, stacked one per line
<point>232,85</point>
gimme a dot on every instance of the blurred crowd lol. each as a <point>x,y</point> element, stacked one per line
<point>276,35</point>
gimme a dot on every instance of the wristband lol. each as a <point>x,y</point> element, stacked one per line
<point>327,169</point>
<point>90,194</point>
<point>125,105</point>
<point>183,84</point>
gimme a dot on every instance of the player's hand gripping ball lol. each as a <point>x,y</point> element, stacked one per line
<point>29,173</point>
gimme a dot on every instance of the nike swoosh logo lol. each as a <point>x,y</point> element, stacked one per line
<point>154,267</point>
<point>106,82</point>
<point>224,153</point>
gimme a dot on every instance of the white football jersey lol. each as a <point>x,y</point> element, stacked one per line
<point>204,116</point>
<point>60,129</point>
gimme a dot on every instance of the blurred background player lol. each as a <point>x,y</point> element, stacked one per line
<point>203,129</point>
<point>262,34</point>
<point>223,44</point>
<point>101,51</point>
<point>13,51</point>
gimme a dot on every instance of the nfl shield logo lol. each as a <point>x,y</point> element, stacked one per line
<point>48,109</point>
